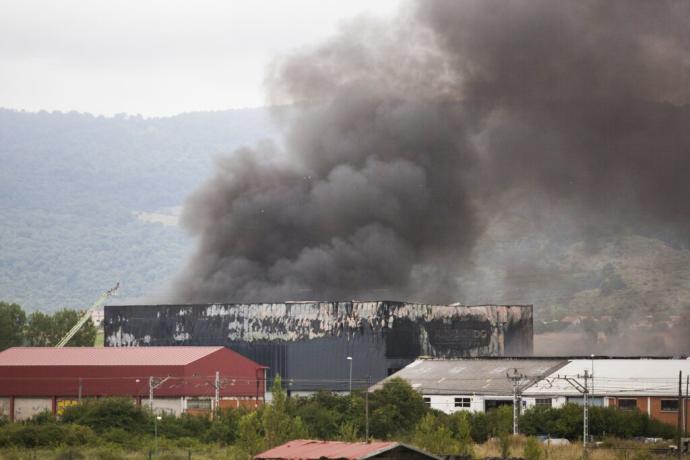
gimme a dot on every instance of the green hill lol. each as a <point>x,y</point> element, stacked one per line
<point>80,195</point>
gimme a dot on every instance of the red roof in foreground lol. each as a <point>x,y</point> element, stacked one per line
<point>99,356</point>
<point>306,449</point>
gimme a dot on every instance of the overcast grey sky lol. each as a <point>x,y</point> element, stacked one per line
<point>155,57</point>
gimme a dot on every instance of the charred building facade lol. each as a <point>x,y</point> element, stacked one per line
<point>308,343</point>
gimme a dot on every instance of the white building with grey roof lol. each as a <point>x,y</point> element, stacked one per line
<point>649,385</point>
<point>474,384</point>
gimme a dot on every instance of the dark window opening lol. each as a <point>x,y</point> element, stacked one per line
<point>543,402</point>
<point>670,405</point>
<point>490,404</point>
<point>627,404</point>
<point>462,402</point>
<point>203,404</point>
<point>427,401</point>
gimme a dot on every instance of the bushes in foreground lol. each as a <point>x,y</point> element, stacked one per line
<point>31,435</point>
<point>566,422</point>
<point>396,412</point>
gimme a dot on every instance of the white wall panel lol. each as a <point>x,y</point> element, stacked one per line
<point>167,405</point>
<point>25,408</point>
<point>5,407</point>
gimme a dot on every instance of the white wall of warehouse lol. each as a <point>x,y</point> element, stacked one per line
<point>25,408</point>
<point>446,403</point>
<point>4,407</point>
<point>167,405</point>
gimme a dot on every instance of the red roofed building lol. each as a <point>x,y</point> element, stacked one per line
<point>180,379</point>
<point>306,449</point>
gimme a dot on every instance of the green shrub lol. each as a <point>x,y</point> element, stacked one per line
<point>12,453</point>
<point>505,441</point>
<point>533,450</point>
<point>395,409</point>
<point>349,432</point>
<point>103,414</point>
<point>567,422</point>
<point>480,429</point>
<point>434,437</point>
<point>117,436</point>
<point>68,453</point>
<point>462,430</point>
<point>186,425</point>
<point>224,427</point>
<point>77,435</point>
<point>642,454</point>
<point>108,452</point>
<point>500,420</point>
<point>42,418</point>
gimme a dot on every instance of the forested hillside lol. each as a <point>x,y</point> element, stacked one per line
<point>80,198</point>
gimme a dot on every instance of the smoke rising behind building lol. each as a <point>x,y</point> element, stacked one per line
<point>412,140</point>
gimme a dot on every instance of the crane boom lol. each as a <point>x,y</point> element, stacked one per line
<point>87,314</point>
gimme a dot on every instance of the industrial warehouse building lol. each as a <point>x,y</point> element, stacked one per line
<point>380,337</point>
<point>179,379</point>
<point>475,385</point>
<point>647,384</point>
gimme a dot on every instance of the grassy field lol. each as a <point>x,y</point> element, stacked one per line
<point>614,450</point>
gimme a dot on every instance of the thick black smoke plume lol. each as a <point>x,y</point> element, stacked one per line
<point>411,136</point>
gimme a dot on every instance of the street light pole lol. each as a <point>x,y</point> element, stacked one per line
<point>349,358</point>
<point>366,412</point>
<point>155,431</point>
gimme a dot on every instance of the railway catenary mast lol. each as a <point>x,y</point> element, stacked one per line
<point>308,343</point>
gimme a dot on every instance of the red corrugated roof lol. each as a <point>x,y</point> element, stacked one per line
<point>306,449</point>
<point>95,356</point>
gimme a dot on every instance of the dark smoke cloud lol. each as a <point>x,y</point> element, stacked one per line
<point>411,136</point>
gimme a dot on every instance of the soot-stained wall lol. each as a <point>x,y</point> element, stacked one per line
<point>308,343</point>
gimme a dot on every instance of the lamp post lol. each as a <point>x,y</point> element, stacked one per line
<point>155,431</point>
<point>349,358</point>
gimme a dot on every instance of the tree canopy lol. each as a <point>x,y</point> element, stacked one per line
<point>12,321</point>
<point>42,329</point>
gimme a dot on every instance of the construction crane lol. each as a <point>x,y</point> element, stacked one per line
<point>85,317</point>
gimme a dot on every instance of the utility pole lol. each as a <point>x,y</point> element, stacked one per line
<point>217,387</point>
<point>515,377</point>
<point>151,392</point>
<point>80,390</point>
<point>366,411</point>
<point>685,405</point>
<point>585,416</point>
<point>584,391</point>
<point>680,401</point>
<point>154,383</point>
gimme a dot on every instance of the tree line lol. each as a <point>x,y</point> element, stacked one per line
<point>397,412</point>
<point>38,329</point>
